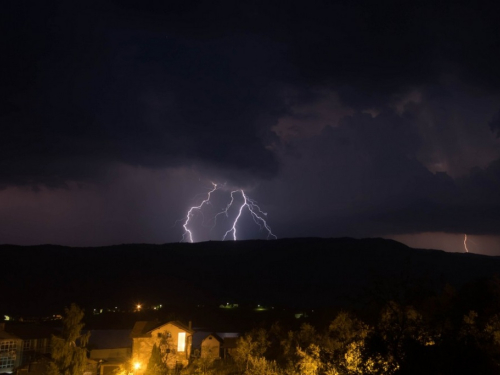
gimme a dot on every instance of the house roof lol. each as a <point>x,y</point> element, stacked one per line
<point>199,336</point>
<point>215,336</point>
<point>144,328</point>
<point>28,331</point>
<point>110,338</point>
<point>7,336</point>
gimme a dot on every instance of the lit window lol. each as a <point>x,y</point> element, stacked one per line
<point>8,354</point>
<point>181,343</point>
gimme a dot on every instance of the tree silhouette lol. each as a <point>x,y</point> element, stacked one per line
<point>68,350</point>
<point>156,366</point>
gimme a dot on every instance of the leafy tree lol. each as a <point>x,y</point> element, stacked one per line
<point>344,344</point>
<point>251,346</point>
<point>295,341</point>
<point>309,362</point>
<point>167,349</point>
<point>68,350</point>
<point>156,366</point>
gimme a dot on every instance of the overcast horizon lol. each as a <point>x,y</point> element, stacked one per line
<point>338,119</point>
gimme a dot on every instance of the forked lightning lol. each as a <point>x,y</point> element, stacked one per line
<point>190,214</point>
<point>248,203</point>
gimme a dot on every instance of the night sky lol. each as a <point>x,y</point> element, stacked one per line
<point>362,119</point>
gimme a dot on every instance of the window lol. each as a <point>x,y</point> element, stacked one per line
<point>7,354</point>
<point>6,346</point>
<point>6,362</point>
<point>181,343</point>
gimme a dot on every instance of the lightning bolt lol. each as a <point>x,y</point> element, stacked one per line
<point>255,212</point>
<point>187,232</point>
<point>252,208</point>
<point>224,212</point>
<point>465,244</point>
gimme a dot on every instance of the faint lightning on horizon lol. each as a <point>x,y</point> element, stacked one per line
<point>255,211</point>
<point>465,244</point>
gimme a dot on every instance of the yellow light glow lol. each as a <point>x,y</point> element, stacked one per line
<point>139,306</point>
<point>181,343</point>
<point>137,365</point>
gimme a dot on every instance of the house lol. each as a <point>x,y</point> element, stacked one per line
<point>211,347</point>
<point>173,338</point>
<point>111,349</point>
<point>22,343</point>
<point>10,351</point>
<point>214,345</point>
<point>35,339</point>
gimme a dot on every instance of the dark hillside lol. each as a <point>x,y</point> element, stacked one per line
<point>309,272</point>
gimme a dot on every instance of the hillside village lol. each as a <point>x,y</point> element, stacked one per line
<point>25,348</point>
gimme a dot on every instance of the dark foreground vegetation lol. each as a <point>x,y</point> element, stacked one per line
<point>404,329</point>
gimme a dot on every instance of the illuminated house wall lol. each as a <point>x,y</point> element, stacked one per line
<point>173,338</point>
<point>211,346</point>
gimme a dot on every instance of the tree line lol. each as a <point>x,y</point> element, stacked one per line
<point>402,327</point>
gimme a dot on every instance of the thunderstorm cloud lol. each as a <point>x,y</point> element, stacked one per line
<point>340,118</point>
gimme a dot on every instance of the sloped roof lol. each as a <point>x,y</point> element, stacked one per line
<point>144,328</point>
<point>199,336</point>
<point>215,336</point>
<point>110,338</point>
<point>29,331</point>
<point>7,336</point>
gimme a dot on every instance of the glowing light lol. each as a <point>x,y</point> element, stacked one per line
<point>255,212</point>
<point>465,244</point>
<point>138,307</point>
<point>190,214</point>
<point>181,342</point>
<point>137,365</point>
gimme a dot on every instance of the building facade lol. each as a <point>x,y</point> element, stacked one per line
<point>174,340</point>
<point>10,350</point>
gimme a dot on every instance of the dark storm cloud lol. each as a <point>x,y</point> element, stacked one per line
<point>495,124</point>
<point>364,178</point>
<point>95,94</point>
<point>91,85</point>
